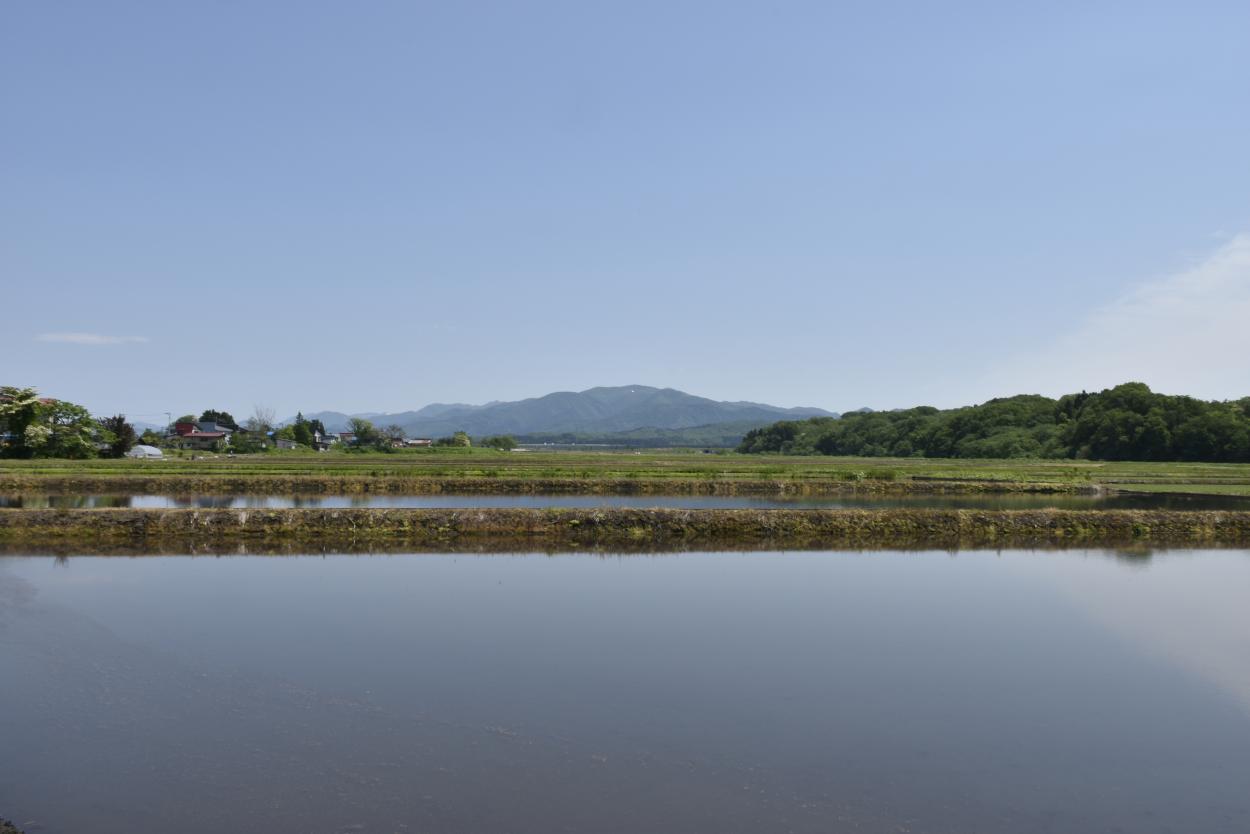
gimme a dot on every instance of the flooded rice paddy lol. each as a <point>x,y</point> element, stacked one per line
<point>980,691</point>
<point>1009,501</point>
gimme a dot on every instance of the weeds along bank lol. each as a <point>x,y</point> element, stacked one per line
<point>231,530</point>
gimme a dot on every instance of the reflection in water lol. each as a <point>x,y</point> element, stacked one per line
<point>989,502</point>
<point>1174,610</point>
<point>927,692</point>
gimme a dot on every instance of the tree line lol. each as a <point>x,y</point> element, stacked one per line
<point>1127,422</point>
<point>34,426</point>
<point>40,427</point>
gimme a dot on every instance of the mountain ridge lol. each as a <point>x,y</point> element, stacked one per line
<point>602,411</point>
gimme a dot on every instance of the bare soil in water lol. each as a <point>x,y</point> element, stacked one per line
<point>264,530</point>
<point>314,484</point>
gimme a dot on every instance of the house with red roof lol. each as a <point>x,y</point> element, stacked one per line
<point>192,436</point>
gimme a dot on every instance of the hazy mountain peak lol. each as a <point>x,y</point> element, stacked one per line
<point>598,410</point>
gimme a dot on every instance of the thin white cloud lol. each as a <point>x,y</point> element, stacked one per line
<point>89,339</point>
<point>1188,333</point>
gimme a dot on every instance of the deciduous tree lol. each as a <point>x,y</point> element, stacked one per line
<point>119,434</point>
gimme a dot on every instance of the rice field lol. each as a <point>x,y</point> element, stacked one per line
<point>593,469</point>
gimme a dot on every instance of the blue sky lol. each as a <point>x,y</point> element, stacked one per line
<point>374,206</point>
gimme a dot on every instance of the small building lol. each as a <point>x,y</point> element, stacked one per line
<point>418,442</point>
<point>144,451</point>
<point>283,443</point>
<point>211,425</point>
<point>323,441</point>
<point>347,437</point>
<point>205,441</point>
<point>204,436</point>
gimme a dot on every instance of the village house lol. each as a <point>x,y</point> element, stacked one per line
<point>210,426</point>
<point>191,436</point>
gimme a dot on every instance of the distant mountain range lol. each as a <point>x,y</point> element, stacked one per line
<point>633,414</point>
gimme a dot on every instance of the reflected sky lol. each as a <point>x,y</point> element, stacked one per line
<point>980,691</point>
<point>1171,609</point>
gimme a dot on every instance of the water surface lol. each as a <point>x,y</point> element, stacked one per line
<point>807,692</point>
<point>973,501</point>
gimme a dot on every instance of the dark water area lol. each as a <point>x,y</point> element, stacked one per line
<point>995,692</point>
<point>445,501</point>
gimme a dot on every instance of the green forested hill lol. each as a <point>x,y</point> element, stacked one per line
<point>593,413</point>
<point>1128,422</point>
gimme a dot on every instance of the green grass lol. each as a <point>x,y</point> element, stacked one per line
<point>1214,478</point>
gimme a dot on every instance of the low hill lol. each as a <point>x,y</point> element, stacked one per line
<point>1128,422</point>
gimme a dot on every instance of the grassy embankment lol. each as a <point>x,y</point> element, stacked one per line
<point>665,472</point>
<point>278,531</point>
